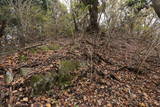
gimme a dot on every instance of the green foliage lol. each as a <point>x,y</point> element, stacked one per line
<point>4,13</point>
<point>36,79</point>
<point>38,84</point>
<point>33,50</point>
<point>76,106</point>
<point>44,48</point>
<point>65,70</point>
<point>44,82</point>
<point>80,11</point>
<point>137,4</point>
<point>68,65</point>
<point>49,47</point>
<point>54,47</point>
<point>18,12</point>
<point>23,58</point>
<point>64,79</point>
<point>41,83</point>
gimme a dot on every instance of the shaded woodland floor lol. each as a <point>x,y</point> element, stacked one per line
<point>109,74</point>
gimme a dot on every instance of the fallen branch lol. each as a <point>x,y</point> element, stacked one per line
<point>3,54</point>
<point>98,57</point>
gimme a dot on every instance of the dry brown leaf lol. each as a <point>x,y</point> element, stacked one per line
<point>141,105</point>
<point>48,105</point>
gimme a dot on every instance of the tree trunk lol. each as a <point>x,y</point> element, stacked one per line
<point>156,6</point>
<point>93,14</point>
<point>93,11</point>
<point>2,28</point>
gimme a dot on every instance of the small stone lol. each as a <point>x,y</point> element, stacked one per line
<point>8,77</point>
<point>25,71</point>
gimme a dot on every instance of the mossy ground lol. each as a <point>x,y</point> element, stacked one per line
<point>44,82</point>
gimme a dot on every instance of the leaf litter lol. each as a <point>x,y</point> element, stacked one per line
<point>105,76</point>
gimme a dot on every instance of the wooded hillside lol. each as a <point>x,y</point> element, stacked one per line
<point>79,53</point>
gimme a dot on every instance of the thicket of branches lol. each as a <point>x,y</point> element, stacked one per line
<point>26,21</point>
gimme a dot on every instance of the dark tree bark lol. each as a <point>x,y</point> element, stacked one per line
<point>93,14</point>
<point>156,6</point>
<point>2,27</point>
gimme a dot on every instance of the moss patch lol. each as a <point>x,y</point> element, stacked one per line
<point>44,48</point>
<point>41,83</point>
<point>50,47</point>
<point>54,47</point>
<point>33,50</point>
<point>44,82</point>
<point>23,58</point>
<point>66,67</point>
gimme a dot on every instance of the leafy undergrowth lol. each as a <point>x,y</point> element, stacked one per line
<point>84,73</point>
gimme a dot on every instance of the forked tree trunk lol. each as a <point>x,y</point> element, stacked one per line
<point>156,6</point>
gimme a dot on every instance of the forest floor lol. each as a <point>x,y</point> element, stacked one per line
<point>109,74</point>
